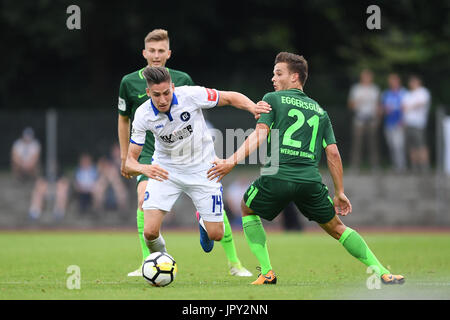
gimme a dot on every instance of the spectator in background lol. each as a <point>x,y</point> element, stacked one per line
<point>86,186</point>
<point>110,180</point>
<point>416,105</point>
<point>46,187</point>
<point>391,107</point>
<point>25,155</point>
<point>363,101</point>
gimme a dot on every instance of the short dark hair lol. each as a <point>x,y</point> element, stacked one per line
<point>295,63</point>
<point>156,75</point>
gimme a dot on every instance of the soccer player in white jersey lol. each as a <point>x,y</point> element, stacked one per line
<point>184,151</point>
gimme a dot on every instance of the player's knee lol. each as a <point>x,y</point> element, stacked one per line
<point>151,233</point>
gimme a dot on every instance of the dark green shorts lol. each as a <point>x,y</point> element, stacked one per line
<point>144,160</point>
<point>267,197</point>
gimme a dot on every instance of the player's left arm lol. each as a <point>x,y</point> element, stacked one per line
<point>341,203</point>
<point>240,101</point>
<point>224,166</point>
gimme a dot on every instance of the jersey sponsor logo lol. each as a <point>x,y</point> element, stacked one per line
<point>297,153</point>
<point>142,95</point>
<point>185,116</point>
<point>212,94</point>
<point>122,105</point>
<point>159,126</point>
<point>178,135</point>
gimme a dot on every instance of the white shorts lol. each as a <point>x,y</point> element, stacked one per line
<point>206,195</point>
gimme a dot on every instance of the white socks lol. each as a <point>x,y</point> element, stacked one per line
<point>157,245</point>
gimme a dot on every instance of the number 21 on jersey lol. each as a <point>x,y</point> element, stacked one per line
<point>300,121</point>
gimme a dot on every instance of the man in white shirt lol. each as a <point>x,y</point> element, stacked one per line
<point>184,151</point>
<point>416,105</point>
<point>363,101</point>
<point>25,156</point>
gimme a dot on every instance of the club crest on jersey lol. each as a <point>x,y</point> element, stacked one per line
<point>185,116</point>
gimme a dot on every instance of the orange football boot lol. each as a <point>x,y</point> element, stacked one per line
<point>392,279</point>
<point>268,278</point>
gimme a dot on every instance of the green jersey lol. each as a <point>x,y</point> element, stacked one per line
<point>304,129</point>
<point>132,94</point>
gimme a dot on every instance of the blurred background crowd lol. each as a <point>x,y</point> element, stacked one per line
<point>386,92</point>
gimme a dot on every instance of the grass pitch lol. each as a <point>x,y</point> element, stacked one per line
<point>310,265</point>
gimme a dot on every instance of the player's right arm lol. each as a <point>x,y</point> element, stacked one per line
<point>124,137</point>
<point>134,168</point>
<point>342,205</point>
<point>123,125</point>
<point>137,141</point>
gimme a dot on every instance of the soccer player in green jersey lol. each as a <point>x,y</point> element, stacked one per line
<point>132,94</point>
<point>304,129</point>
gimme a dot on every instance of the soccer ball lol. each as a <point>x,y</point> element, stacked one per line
<point>159,269</point>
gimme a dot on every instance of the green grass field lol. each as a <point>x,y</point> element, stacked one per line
<point>309,265</point>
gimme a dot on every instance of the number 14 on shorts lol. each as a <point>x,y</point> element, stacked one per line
<point>217,204</point>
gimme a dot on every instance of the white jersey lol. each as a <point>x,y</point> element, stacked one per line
<point>182,140</point>
<point>365,99</point>
<point>417,105</point>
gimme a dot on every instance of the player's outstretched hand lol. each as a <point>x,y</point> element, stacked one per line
<point>342,205</point>
<point>221,168</point>
<point>262,107</point>
<point>154,171</point>
<point>123,170</point>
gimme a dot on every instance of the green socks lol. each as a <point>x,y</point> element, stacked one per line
<point>358,248</point>
<point>256,239</point>
<point>140,225</point>
<point>350,239</point>
<point>227,241</point>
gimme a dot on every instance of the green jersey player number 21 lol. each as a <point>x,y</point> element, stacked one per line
<point>304,130</point>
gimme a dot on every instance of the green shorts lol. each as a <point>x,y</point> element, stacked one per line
<point>267,197</point>
<point>144,160</point>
